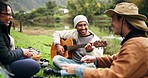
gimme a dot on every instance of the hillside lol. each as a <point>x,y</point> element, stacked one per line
<point>28,5</point>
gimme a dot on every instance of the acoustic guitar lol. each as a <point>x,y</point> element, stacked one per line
<point>69,47</point>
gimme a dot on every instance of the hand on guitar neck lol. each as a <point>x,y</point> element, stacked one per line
<point>66,47</point>
<point>100,43</point>
<point>89,47</point>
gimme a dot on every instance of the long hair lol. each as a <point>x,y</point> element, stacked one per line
<point>137,32</point>
<point>3,7</point>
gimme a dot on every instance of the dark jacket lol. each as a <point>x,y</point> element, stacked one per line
<point>7,56</point>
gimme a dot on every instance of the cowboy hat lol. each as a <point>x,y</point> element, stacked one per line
<point>130,11</point>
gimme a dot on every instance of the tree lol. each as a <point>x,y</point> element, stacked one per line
<point>21,17</point>
<point>51,5</point>
<point>143,7</point>
<point>86,7</point>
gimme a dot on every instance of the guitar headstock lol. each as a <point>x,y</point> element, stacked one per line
<point>100,43</point>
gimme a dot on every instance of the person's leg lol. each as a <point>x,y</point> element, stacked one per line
<point>24,68</point>
<point>91,65</point>
<point>58,59</point>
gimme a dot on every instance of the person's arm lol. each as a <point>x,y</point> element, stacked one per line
<point>79,71</point>
<point>73,69</point>
<point>126,63</point>
<point>58,35</point>
<point>7,56</point>
<point>64,34</point>
<point>97,51</point>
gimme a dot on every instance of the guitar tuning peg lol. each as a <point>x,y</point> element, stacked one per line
<point>100,43</point>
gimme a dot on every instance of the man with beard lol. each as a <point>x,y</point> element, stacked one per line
<point>80,35</point>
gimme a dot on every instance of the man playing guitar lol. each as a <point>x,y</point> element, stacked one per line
<point>80,35</point>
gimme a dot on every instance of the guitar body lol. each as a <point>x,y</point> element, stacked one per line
<point>64,43</point>
<point>69,47</point>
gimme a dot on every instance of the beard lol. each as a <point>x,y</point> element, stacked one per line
<point>82,32</point>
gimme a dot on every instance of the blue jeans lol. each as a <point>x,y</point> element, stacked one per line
<point>24,68</point>
<point>57,60</point>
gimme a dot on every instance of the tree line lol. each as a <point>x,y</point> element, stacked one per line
<point>89,8</point>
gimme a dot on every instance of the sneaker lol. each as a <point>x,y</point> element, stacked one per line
<point>44,63</point>
<point>50,71</point>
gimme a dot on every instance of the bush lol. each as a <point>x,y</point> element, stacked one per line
<point>113,46</point>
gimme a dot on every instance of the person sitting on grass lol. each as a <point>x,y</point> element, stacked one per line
<point>80,35</point>
<point>17,61</point>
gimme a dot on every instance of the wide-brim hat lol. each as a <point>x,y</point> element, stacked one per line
<point>139,24</point>
<point>126,8</point>
<point>130,11</point>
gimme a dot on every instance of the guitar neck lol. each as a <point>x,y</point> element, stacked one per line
<point>75,46</point>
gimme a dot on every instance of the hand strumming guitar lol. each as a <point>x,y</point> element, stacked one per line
<point>60,49</point>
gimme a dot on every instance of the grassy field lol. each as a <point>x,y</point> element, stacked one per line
<point>41,39</point>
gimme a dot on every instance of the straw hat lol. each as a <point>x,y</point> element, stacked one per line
<point>130,11</point>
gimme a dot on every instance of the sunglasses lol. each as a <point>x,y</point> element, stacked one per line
<point>6,14</point>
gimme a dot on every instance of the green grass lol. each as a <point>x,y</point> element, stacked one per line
<point>43,44</point>
<point>40,42</point>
